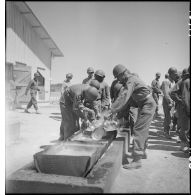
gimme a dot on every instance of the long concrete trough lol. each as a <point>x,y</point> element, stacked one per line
<point>99,172</point>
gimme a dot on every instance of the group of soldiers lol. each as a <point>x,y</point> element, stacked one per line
<point>176,104</point>
<point>129,100</point>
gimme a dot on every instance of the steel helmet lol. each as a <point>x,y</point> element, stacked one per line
<point>95,83</point>
<point>36,74</point>
<point>118,69</point>
<point>69,75</point>
<point>100,73</point>
<point>158,74</point>
<point>185,72</point>
<point>91,93</point>
<point>172,70</point>
<point>90,70</point>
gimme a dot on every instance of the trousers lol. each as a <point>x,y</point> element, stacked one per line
<point>146,110</point>
<point>167,113</point>
<point>33,101</point>
<point>69,123</point>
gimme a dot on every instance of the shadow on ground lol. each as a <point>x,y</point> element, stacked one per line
<point>57,118</point>
<point>157,141</point>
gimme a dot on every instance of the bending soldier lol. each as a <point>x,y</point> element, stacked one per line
<point>137,90</point>
<point>73,108</point>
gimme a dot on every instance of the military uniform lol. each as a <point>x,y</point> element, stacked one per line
<point>136,89</point>
<point>156,91</point>
<point>180,93</point>
<point>33,87</point>
<point>87,80</point>
<point>130,112</point>
<point>72,108</point>
<point>167,105</point>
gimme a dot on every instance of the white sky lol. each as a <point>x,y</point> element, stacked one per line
<point>147,37</point>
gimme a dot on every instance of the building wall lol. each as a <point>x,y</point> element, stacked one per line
<point>25,46</point>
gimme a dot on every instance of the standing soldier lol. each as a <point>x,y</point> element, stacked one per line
<point>156,89</point>
<point>180,93</point>
<point>176,96</point>
<point>33,87</point>
<point>90,72</point>
<point>73,108</point>
<point>66,83</point>
<point>167,105</point>
<point>103,99</point>
<point>137,90</point>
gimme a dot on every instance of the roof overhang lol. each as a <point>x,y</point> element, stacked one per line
<point>38,28</point>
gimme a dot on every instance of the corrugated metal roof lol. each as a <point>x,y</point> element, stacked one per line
<point>38,27</point>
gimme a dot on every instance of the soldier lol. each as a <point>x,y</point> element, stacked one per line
<point>33,87</point>
<point>167,105</point>
<point>137,90</point>
<point>175,95</point>
<point>185,114</point>
<point>156,89</point>
<point>90,72</point>
<point>66,83</point>
<point>103,99</point>
<point>73,108</point>
<point>92,104</point>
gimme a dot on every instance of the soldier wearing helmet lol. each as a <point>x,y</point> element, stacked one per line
<point>156,91</point>
<point>175,94</point>
<point>103,100</point>
<point>73,108</point>
<point>92,104</point>
<point>180,93</point>
<point>167,104</point>
<point>66,83</point>
<point>33,87</point>
<point>135,89</point>
<point>90,72</point>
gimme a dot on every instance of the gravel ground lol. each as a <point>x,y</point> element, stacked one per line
<point>165,171</point>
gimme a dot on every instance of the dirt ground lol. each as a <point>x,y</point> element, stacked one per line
<point>166,170</point>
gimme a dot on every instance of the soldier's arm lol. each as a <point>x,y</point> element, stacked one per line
<point>106,96</point>
<point>79,107</point>
<point>123,98</point>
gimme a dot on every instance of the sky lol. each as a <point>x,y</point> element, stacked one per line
<point>146,37</point>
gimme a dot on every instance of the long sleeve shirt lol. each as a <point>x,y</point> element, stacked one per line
<point>134,88</point>
<point>32,86</point>
<point>156,86</point>
<point>166,86</point>
<point>78,97</point>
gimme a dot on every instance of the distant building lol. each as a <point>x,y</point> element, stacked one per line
<point>29,49</point>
